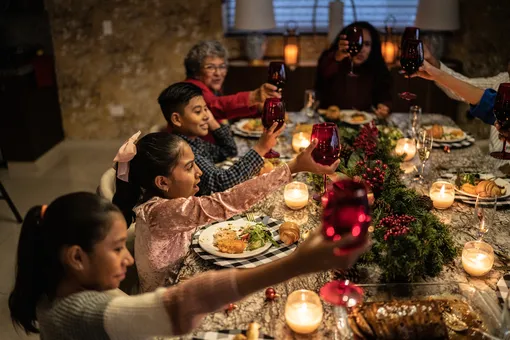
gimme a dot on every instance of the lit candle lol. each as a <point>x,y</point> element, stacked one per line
<point>303,311</point>
<point>290,54</point>
<point>477,258</point>
<point>406,146</point>
<point>300,141</point>
<point>442,195</point>
<point>296,195</point>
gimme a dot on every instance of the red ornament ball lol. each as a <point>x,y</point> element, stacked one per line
<point>446,149</point>
<point>271,294</point>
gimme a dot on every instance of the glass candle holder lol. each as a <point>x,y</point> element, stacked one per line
<point>296,195</point>
<point>406,146</point>
<point>300,141</point>
<point>477,258</point>
<point>442,194</point>
<point>303,311</point>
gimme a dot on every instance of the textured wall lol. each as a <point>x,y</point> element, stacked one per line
<point>100,76</point>
<point>482,43</point>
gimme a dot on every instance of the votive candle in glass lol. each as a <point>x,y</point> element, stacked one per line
<point>406,146</point>
<point>300,141</point>
<point>296,195</point>
<point>442,194</point>
<point>477,258</point>
<point>303,311</point>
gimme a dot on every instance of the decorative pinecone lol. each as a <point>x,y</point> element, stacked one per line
<point>380,204</point>
<point>351,274</point>
<point>425,202</point>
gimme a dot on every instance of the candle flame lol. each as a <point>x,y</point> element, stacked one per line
<point>405,148</point>
<point>441,192</point>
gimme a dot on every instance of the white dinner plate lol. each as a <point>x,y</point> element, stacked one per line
<point>240,126</point>
<point>499,181</point>
<point>446,130</point>
<point>206,240</point>
<point>347,117</point>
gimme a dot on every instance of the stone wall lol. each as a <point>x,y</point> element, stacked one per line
<point>109,83</point>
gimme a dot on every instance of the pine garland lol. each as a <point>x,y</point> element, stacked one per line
<point>426,245</point>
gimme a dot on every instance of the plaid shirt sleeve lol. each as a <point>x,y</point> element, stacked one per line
<point>215,179</point>
<point>225,144</point>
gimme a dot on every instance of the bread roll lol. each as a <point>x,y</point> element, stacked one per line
<point>436,131</point>
<point>252,333</point>
<point>289,233</point>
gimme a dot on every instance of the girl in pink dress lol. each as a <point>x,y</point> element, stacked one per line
<point>163,173</point>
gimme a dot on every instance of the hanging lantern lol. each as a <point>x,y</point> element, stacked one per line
<point>389,47</point>
<point>291,45</point>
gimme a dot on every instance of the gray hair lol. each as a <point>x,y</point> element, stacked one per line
<point>197,54</point>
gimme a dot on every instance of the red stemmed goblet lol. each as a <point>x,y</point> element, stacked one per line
<point>274,111</point>
<point>327,150</point>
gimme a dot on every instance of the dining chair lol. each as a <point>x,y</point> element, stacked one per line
<point>5,196</point>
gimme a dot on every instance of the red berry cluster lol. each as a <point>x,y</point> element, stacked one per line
<point>396,225</point>
<point>373,177</point>
<point>367,139</point>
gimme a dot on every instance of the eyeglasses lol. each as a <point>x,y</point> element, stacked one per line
<point>210,68</point>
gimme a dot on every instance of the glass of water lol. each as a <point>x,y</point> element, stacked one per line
<point>414,120</point>
<point>310,103</point>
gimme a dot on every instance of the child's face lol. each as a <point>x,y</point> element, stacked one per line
<point>184,179</point>
<point>193,121</point>
<point>106,266</point>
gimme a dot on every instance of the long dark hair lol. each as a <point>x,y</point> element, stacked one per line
<point>157,154</point>
<point>375,59</point>
<point>81,219</point>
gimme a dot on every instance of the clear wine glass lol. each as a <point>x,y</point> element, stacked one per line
<point>274,111</point>
<point>310,103</point>
<point>411,59</point>
<point>414,120</point>
<point>342,295</point>
<point>485,212</point>
<point>502,113</point>
<point>327,150</point>
<point>355,39</point>
<point>277,75</point>
<point>424,143</point>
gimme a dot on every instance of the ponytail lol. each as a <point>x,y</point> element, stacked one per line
<point>81,219</point>
<point>29,270</point>
<point>157,154</point>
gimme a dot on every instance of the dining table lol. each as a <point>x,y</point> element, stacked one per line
<point>459,218</point>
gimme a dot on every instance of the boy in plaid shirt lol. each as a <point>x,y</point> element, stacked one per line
<point>186,112</point>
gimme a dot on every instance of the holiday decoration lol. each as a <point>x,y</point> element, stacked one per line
<point>408,240</point>
<point>231,307</point>
<point>446,149</point>
<point>271,294</point>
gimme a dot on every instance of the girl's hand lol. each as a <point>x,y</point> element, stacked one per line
<point>343,45</point>
<point>268,139</point>
<point>317,253</point>
<point>304,162</point>
<point>427,71</point>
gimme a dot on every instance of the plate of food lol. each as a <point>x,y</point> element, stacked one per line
<point>332,113</point>
<point>250,126</point>
<point>442,133</point>
<point>355,117</point>
<point>236,239</point>
<point>484,185</point>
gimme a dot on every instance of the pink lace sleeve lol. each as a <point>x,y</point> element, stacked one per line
<point>188,302</point>
<point>183,214</point>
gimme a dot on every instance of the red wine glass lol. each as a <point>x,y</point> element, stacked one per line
<point>274,111</point>
<point>502,113</point>
<point>327,150</point>
<point>411,60</point>
<point>355,39</point>
<point>410,33</point>
<point>276,74</point>
<point>346,212</point>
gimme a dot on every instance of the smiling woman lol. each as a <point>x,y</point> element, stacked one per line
<point>206,66</point>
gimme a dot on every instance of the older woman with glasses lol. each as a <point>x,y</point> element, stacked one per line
<point>206,66</point>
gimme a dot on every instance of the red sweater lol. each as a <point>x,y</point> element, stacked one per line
<point>224,107</point>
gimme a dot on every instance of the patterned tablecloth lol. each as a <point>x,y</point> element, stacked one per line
<point>459,217</point>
